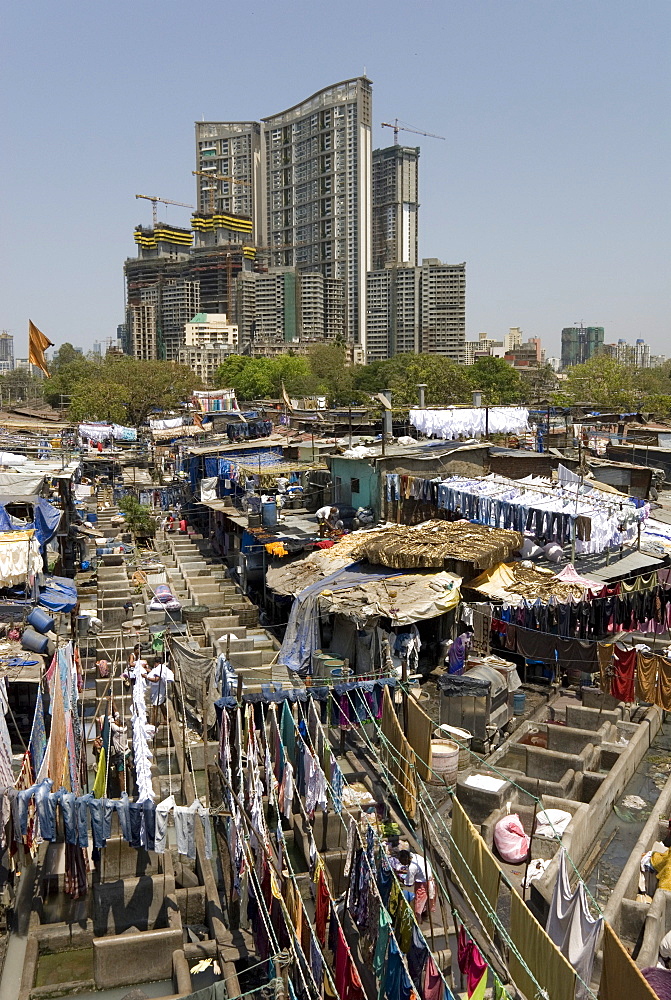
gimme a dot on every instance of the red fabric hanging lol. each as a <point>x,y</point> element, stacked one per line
<point>322,911</point>
<point>624,665</point>
<point>348,984</point>
<point>471,963</point>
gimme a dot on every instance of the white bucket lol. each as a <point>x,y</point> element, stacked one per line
<point>444,762</point>
<point>463,738</point>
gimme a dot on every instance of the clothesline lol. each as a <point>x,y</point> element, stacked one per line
<point>505,934</point>
<point>306,739</point>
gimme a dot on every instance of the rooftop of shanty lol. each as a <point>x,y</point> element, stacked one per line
<point>434,544</point>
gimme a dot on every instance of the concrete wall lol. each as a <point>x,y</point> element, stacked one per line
<point>142,957</point>
<point>142,903</point>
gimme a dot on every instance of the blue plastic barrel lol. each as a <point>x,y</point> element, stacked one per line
<point>33,641</point>
<point>91,516</point>
<point>519,702</point>
<point>40,620</point>
<point>269,514</point>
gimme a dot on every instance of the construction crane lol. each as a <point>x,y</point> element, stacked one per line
<point>399,126</point>
<point>216,177</point>
<point>154,198</point>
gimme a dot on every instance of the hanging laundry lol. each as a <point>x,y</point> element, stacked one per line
<point>572,928</point>
<point>624,665</point>
<point>471,965</point>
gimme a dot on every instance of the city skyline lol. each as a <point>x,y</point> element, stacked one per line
<point>551,184</point>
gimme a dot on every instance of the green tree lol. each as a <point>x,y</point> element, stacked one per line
<point>601,381</point>
<point>498,380</point>
<point>249,376</point>
<point>118,388</point>
<point>327,363</point>
<point>138,516</point>
<point>65,355</point>
<point>445,380</point>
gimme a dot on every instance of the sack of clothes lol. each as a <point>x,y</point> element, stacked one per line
<point>510,839</point>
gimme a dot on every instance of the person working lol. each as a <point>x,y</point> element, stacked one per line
<point>159,677</point>
<point>413,874</point>
<point>328,518</point>
<point>281,482</point>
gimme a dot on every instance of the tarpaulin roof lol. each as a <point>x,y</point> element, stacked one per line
<point>513,581</point>
<point>46,518</point>
<point>302,638</point>
<point>405,599</point>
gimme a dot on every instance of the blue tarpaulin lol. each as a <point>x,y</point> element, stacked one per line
<point>58,594</point>
<point>47,518</point>
<point>302,637</point>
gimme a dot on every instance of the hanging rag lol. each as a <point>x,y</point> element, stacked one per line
<point>572,928</point>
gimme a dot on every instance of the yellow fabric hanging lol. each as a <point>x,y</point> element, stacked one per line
<point>646,677</point>
<point>475,865</point>
<point>100,784</point>
<point>548,966</point>
<point>620,976</point>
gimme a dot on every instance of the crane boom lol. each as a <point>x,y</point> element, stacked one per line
<point>154,198</point>
<point>398,126</point>
<point>216,177</point>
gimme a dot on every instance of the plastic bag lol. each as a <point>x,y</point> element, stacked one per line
<point>510,839</point>
<point>551,823</point>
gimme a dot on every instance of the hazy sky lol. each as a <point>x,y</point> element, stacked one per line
<point>553,184</point>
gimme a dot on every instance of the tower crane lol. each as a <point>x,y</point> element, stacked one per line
<point>399,126</point>
<point>154,198</point>
<point>216,177</point>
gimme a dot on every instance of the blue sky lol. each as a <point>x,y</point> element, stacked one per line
<point>553,184</point>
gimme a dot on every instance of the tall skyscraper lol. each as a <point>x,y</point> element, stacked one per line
<point>230,180</point>
<point>395,206</point>
<point>580,343</point>
<point>443,308</point>
<point>412,309</point>
<point>318,183</point>
<point>6,352</point>
<point>307,183</point>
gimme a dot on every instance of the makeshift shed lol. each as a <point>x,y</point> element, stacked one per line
<point>458,545</point>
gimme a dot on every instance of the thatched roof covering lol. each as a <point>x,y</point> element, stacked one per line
<point>434,543</point>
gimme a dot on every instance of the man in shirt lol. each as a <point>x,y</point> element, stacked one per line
<point>413,875</point>
<point>329,522</point>
<point>159,677</point>
<point>282,482</point>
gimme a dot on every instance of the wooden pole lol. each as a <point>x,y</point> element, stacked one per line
<point>207,780</point>
<point>531,839</point>
<point>404,694</point>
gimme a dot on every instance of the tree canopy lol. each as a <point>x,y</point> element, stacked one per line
<point>117,388</point>
<point>611,385</point>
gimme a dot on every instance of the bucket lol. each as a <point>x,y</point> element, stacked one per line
<point>463,738</point>
<point>33,641</point>
<point>444,762</point>
<point>195,612</point>
<point>40,620</point>
<point>83,625</point>
<point>519,702</point>
<point>340,674</point>
<point>269,515</point>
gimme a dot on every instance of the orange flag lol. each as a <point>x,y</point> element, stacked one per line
<point>37,345</point>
